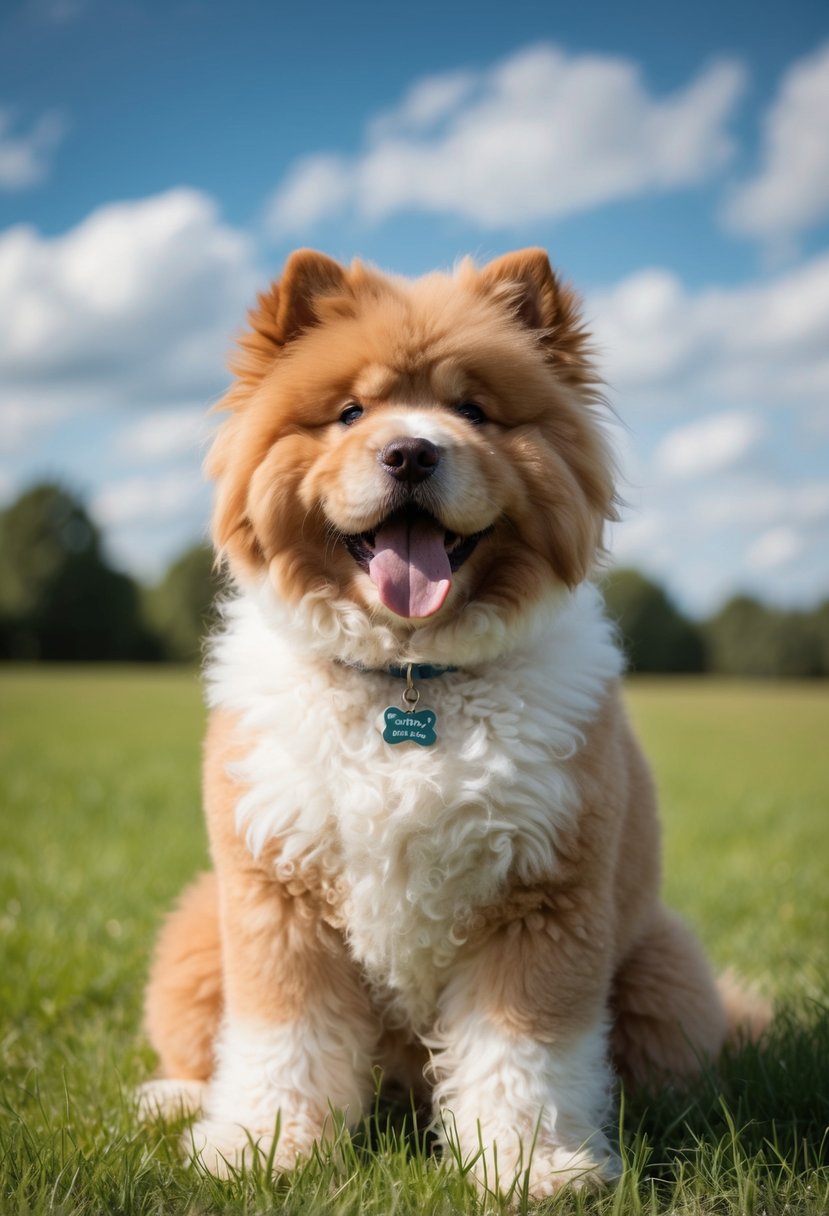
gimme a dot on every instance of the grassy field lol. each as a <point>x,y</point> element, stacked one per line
<point>100,826</point>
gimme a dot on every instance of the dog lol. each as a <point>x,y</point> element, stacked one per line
<point>434,837</point>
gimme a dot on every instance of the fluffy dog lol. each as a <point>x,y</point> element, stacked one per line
<point>434,836</point>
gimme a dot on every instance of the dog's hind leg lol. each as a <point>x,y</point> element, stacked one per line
<point>183,1002</point>
<point>668,1014</point>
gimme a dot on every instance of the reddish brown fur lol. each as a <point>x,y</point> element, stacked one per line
<point>184,996</point>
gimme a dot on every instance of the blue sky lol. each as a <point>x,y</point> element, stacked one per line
<point>159,160</point>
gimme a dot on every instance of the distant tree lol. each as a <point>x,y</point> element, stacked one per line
<point>746,638</point>
<point>817,624</point>
<point>655,634</point>
<point>59,598</point>
<point>181,607</point>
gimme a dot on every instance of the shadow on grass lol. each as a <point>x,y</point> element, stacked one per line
<point>775,1093</point>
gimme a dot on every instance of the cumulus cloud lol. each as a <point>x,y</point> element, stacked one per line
<point>165,434</point>
<point>761,502</point>
<point>150,497</point>
<point>128,316</point>
<point>673,350</point>
<point>709,445</point>
<point>777,547</point>
<point>132,308</point>
<point>25,156</point>
<point>426,103</point>
<point>721,388</point>
<point>19,423</point>
<point>745,532</point>
<point>790,191</point>
<point>540,135</point>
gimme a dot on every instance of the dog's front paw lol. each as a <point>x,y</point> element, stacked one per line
<point>510,1167</point>
<point>552,1167</point>
<point>222,1148</point>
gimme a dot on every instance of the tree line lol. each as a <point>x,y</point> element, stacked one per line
<point>60,599</point>
<point>743,638</point>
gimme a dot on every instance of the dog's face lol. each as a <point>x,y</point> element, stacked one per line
<point>411,450</point>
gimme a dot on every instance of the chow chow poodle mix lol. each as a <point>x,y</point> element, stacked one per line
<point>434,838</point>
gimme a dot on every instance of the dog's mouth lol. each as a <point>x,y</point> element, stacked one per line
<point>410,557</point>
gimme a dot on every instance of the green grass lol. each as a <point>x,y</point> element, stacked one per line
<point>743,775</point>
<point>100,825</point>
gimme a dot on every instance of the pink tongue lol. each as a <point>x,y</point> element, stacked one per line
<point>410,568</point>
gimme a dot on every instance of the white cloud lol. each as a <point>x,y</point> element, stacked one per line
<point>790,192</point>
<point>126,318</point>
<point>675,351</point>
<point>146,498</point>
<point>541,134</point>
<point>813,501</point>
<point>775,548</point>
<point>638,535</point>
<point>128,274</point>
<point>427,103</point>
<point>19,423</point>
<point>707,540</point>
<point>134,308</point>
<point>722,389</point>
<point>708,445</point>
<point>761,502</point>
<point>316,188</point>
<point>165,434</point>
<point>25,156</point>
<point>642,328</point>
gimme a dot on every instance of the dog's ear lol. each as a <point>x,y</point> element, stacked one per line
<point>308,276</point>
<point>284,311</point>
<point>525,281</point>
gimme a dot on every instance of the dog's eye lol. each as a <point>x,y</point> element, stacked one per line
<point>350,414</point>
<point>472,412</point>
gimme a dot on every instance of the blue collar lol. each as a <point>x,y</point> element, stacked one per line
<point>400,671</point>
<point>420,671</point>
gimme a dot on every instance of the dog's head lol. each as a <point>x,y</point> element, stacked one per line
<point>412,465</point>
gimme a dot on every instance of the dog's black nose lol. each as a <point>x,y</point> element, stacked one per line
<point>410,459</point>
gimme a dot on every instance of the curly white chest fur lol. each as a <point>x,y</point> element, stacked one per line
<point>412,839</point>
